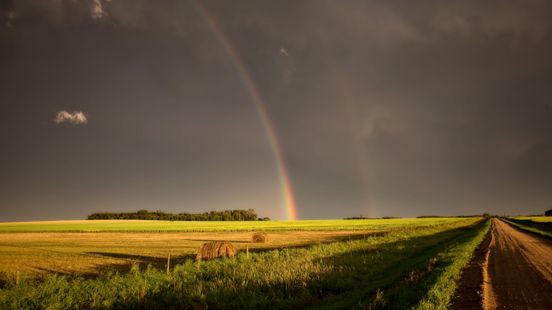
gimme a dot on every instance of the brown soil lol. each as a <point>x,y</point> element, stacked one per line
<point>469,293</point>
<point>519,270</point>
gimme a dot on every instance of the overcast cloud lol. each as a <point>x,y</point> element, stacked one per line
<point>382,108</point>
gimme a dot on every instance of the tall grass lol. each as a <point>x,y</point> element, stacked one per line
<point>440,294</point>
<point>340,274</point>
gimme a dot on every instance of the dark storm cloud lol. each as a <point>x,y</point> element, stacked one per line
<point>7,14</point>
<point>382,107</point>
<point>444,98</point>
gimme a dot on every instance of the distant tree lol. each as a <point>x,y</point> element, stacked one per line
<point>250,215</point>
<point>548,212</point>
<point>226,215</point>
<point>486,215</point>
<point>216,217</point>
<point>360,217</point>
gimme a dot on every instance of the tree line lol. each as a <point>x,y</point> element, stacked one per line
<point>226,215</point>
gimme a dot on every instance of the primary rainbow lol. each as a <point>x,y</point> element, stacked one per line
<point>260,106</point>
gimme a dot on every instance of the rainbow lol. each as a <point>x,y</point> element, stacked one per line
<point>343,89</point>
<point>260,105</point>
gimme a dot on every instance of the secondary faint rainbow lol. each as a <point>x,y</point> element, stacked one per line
<point>260,106</point>
<point>342,87</point>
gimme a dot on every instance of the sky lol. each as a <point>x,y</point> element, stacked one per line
<point>308,109</point>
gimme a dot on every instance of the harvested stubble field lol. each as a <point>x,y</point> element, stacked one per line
<point>90,253</point>
<point>90,247</point>
<point>365,263</point>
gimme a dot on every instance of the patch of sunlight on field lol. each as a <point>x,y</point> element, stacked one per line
<point>94,246</point>
<point>199,226</point>
<point>545,219</point>
<point>68,252</point>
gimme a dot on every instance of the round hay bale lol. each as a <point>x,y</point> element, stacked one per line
<point>259,237</point>
<point>215,249</point>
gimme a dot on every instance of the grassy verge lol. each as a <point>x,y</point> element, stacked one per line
<point>540,219</point>
<point>440,294</point>
<point>340,274</point>
<point>426,280</point>
<point>540,228</point>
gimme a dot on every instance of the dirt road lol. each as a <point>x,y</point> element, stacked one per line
<point>518,274</point>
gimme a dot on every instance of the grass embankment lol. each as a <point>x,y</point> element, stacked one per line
<point>440,295</point>
<point>541,225</point>
<point>544,219</point>
<point>405,268</point>
<point>213,226</point>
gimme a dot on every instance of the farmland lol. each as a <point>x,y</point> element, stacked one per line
<point>91,253</point>
<point>366,263</point>
<point>91,246</point>
<point>197,226</point>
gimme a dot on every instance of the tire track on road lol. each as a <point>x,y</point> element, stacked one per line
<point>518,271</point>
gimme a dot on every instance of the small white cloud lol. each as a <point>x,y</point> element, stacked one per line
<point>283,51</point>
<point>75,118</point>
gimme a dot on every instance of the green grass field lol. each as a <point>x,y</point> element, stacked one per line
<point>198,226</point>
<point>398,263</point>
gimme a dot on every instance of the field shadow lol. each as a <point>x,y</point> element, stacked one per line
<point>3,279</point>
<point>403,270</point>
<point>404,274</point>
<point>542,226</point>
<point>52,271</point>
<point>328,239</point>
<point>142,261</point>
<point>161,262</point>
<point>214,240</point>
